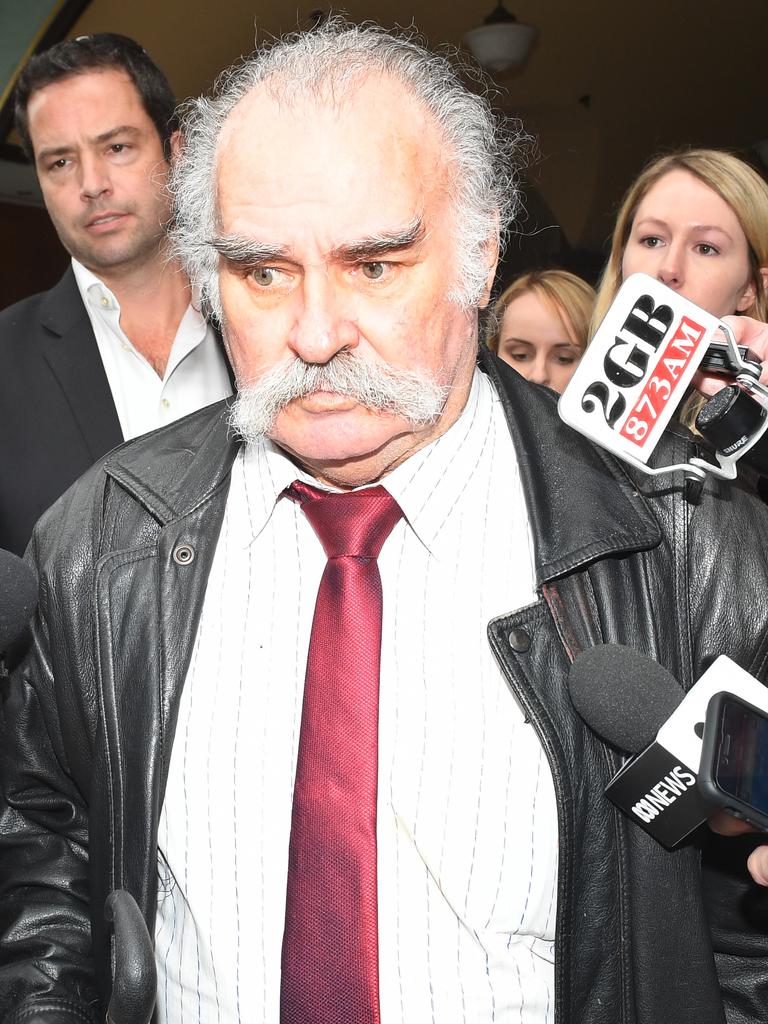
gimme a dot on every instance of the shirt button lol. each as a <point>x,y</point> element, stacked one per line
<point>519,640</point>
<point>165,403</point>
<point>105,302</point>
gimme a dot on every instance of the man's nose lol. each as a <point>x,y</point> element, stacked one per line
<point>323,325</point>
<point>94,179</point>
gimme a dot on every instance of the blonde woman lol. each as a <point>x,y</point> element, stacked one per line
<point>697,221</point>
<point>541,325</point>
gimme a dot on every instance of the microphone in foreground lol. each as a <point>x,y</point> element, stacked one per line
<point>634,704</point>
<point>622,695</point>
<point>18,598</point>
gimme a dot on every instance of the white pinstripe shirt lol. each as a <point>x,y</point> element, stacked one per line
<point>467,829</point>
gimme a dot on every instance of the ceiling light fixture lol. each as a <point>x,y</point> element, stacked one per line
<point>501,42</point>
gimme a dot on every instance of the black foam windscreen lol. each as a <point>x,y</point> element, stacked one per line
<point>18,596</point>
<point>716,407</point>
<point>623,695</point>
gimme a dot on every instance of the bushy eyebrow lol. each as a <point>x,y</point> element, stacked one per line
<point>374,246</point>
<point>247,251</point>
<point>241,251</point>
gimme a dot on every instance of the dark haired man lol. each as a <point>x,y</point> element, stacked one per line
<point>116,347</point>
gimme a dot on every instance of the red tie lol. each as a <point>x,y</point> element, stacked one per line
<point>330,963</point>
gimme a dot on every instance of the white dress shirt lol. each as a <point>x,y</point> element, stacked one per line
<point>467,824</point>
<point>195,376</point>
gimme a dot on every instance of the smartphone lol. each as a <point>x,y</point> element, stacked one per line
<point>733,773</point>
<point>717,359</point>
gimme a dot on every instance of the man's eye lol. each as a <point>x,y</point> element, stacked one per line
<point>263,276</point>
<point>58,164</point>
<point>373,271</point>
<point>117,147</point>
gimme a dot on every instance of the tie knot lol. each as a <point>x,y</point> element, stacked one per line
<point>348,523</point>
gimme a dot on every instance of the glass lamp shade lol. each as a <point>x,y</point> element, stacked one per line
<point>501,46</point>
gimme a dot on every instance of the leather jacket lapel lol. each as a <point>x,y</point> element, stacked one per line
<point>186,502</point>
<point>582,505</point>
<point>157,585</point>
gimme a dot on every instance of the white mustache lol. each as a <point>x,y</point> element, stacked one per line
<point>413,395</point>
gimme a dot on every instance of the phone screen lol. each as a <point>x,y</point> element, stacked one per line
<point>742,757</point>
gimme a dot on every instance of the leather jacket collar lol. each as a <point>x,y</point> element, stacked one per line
<point>582,503</point>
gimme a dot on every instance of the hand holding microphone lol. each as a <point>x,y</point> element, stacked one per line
<point>695,752</point>
<point>757,862</point>
<point>651,345</point>
<point>748,333</point>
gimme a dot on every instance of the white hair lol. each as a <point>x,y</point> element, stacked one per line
<point>326,61</point>
<point>414,395</point>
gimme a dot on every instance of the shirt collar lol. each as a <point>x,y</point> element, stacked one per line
<point>93,291</point>
<point>267,472</point>
<point>191,332</point>
<point>427,486</point>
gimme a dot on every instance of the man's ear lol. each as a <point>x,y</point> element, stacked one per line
<point>491,248</point>
<point>176,144</point>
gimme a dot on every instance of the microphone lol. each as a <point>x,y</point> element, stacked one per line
<point>734,423</point>
<point>622,695</point>
<point>18,598</point>
<point>637,706</point>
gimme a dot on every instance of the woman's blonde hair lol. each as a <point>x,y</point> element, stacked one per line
<point>734,181</point>
<point>566,295</point>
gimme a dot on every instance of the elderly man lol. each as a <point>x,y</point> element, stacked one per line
<point>298,675</point>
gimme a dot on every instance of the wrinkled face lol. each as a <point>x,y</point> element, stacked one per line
<point>101,168</point>
<point>536,341</point>
<point>343,243</point>
<point>687,236</point>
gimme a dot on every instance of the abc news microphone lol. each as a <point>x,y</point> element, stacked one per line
<point>634,704</point>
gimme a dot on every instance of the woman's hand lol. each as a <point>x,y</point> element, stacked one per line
<point>746,331</point>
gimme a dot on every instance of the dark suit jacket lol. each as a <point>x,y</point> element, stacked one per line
<point>57,416</point>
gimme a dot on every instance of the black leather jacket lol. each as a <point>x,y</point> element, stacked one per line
<point>88,719</point>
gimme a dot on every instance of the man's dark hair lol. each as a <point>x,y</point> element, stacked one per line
<point>100,52</point>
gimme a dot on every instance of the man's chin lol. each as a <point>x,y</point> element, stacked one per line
<point>331,437</point>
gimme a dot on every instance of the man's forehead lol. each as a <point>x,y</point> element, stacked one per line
<point>371,148</point>
<point>274,97</point>
<point>375,114</point>
<point>51,106</point>
<point>114,83</point>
